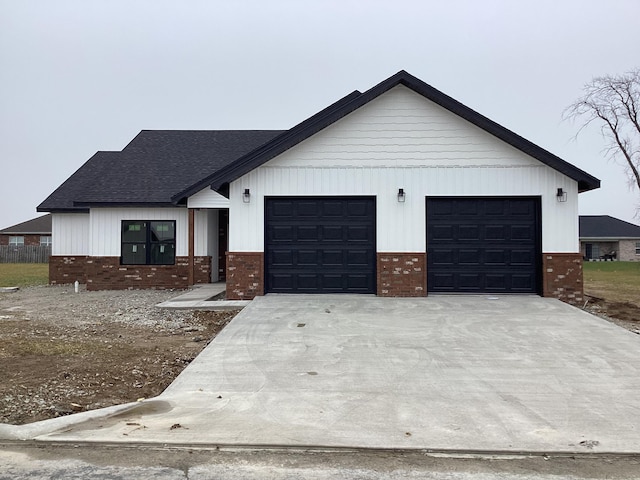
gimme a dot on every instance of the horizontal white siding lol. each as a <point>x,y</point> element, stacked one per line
<point>105,227</point>
<point>402,140</point>
<point>70,233</point>
<point>399,129</point>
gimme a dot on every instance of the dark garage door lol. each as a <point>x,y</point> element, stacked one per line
<point>320,245</point>
<point>483,245</point>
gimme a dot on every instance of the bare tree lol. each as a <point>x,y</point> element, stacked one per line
<point>612,102</point>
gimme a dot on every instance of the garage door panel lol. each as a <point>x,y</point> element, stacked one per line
<point>282,281</point>
<point>521,208</point>
<point>496,282</point>
<point>282,257</point>
<point>522,257</point>
<point>443,232</point>
<point>306,209</point>
<point>468,232</point>
<point>332,233</point>
<point>307,233</point>
<point>332,209</point>
<point>282,209</point>
<point>468,257</point>
<point>441,282</point>
<point>330,243</point>
<point>469,282</point>
<point>357,233</point>
<point>496,257</point>
<point>495,249</point>
<point>358,209</point>
<point>304,257</point>
<point>281,233</point>
<point>495,232</point>
<point>522,232</point>
<point>442,257</point>
<point>332,258</point>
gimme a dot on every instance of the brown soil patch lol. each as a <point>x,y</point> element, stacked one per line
<point>623,314</point>
<point>62,353</point>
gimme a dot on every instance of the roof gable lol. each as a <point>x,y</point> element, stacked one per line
<point>605,226</point>
<point>356,100</point>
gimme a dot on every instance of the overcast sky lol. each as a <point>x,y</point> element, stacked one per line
<point>81,76</point>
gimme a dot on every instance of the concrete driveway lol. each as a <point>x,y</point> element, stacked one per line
<point>452,373</point>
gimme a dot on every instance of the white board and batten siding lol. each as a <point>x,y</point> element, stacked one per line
<point>99,232</point>
<point>70,234</point>
<point>402,140</point>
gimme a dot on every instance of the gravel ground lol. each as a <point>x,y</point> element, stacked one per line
<point>62,352</point>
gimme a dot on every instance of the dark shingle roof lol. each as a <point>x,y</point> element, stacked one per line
<point>163,167</point>
<point>356,100</point>
<point>604,226</point>
<point>39,225</point>
<point>153,168</point>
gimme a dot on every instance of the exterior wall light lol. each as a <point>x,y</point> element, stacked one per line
<point>401,195</point>
<point>246,196</point>
<point>561,195</point>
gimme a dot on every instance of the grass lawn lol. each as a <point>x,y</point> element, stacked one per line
<point>23,274</point>
<point>613,281</point>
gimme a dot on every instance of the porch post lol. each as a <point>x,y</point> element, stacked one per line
<point>191,278</point>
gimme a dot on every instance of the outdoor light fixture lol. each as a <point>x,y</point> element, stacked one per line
<point>561,196</point>
<point>246,196</point>
<point>401,195</point>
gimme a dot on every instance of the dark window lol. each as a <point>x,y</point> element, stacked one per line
<point>148,242</point>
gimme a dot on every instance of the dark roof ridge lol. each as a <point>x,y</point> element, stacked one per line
<point>350,103</point>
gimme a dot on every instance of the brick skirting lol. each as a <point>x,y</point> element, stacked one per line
<point>562,277</point>
<point>245,275</point>
<point>401,274</point>
<point>67,269</point>
<point>106,273</point>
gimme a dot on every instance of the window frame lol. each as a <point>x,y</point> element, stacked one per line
<point>16,241</point>
<point>48,242</point>
<point>147,238</point>
<point>637,248</point>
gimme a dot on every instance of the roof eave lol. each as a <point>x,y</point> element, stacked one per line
<point>125,204</point>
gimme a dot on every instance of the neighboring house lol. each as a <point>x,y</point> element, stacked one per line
<point>397,191</point>
<point>607,238</point>
<point>36,231</point>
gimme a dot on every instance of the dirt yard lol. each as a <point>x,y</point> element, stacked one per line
<point>62,352</point>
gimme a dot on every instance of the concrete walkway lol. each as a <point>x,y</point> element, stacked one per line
<point>448,373</point>
<point>204,297</point>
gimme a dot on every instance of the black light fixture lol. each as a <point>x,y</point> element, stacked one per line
<point>561,195</point>
<point>246,196</point>
<point>401,195</point>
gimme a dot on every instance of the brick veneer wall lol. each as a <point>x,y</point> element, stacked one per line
<point>562,277</point>
<point>401,274</point>
<point>29,240</point>
<point>67,269</point>
<point>627,251</point>
<point>106,273</point>
<point>245,275</point>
